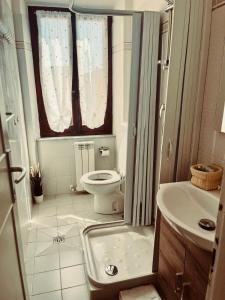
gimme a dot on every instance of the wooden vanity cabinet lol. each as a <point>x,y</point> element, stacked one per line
<point>183,267</point>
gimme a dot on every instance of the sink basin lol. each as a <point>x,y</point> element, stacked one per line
<point>184,205</point>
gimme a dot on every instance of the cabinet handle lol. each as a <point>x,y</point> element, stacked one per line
<point>185,287</point>
<point>162,108</point>
<point>179,282</point>
<point>169,149</point>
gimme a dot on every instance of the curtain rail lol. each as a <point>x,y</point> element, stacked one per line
<point>109,12</point>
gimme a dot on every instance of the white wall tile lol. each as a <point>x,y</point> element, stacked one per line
<point>122,38</point>
<point>57,161</point>
<point>212,141</point>
<point>49,185</point>
<point>63,184</point>
<point>218,149</point>
<point>154,5</point>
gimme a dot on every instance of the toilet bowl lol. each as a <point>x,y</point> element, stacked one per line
<point>104,185</point>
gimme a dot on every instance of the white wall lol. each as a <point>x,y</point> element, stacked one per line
<point>56,156</point>
<point>212,141</point>
<point>122,50</point>
<point>152,5</point>
<point>25,60</point>
<point>53,182</point>
<point>16,127</point>
<point>57,161</point>
<point>122,47</point>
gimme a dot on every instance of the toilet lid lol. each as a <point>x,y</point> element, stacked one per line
<point>101,177</point>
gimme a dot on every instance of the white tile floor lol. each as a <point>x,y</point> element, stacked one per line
<point>55,271</point>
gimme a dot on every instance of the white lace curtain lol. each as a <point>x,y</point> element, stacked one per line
<point>56,65</point>
<point>92,54</point>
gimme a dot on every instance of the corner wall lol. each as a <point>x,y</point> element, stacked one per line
<point>122,47</point>
<point>25,61</point>
<point>57,160</point>
<point>212,140</point>
<point>153,5</point>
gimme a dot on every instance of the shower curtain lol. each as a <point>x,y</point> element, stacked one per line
<point>141,133</point>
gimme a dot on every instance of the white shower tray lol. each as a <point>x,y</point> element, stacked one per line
<point>128,248</point>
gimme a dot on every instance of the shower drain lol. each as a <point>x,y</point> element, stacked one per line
<point>111,270</point>
<point>59,239</point>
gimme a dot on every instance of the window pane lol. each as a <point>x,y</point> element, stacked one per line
<point>92,56</point>
<point>55,59</point>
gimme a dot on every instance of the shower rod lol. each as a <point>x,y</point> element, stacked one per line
<point>98,11</point>
<point>73,7</point>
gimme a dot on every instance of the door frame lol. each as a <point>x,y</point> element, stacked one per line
<point>13,208</point>
<point>217,279</point>
<point>6,35</point>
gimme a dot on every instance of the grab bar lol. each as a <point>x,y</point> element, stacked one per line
<point>21,170</point>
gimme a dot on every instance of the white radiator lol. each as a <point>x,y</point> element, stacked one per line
<point>84,160</point>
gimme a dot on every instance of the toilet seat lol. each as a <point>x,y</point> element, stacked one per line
<point>101,177</point>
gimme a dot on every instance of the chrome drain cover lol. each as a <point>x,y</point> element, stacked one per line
<point>59,239</point>
<point>111,270</point>
<point>207,224</point>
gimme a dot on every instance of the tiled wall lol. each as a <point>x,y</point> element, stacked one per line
<point>25,60</point>
<point>19,148</point>
<point>153,5</point>
<point>57,161</point>
<point>212,141</point>
<point>122,45</point>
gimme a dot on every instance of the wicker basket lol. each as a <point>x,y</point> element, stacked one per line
<point>206,177</point>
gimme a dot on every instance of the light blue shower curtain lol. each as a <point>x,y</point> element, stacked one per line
<point>141,134</point>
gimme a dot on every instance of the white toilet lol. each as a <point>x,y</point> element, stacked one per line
<point>104,185</point>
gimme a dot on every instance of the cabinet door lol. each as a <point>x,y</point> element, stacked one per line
<point>171,261</point>
<point>181,265</point>
<point>197,267</point>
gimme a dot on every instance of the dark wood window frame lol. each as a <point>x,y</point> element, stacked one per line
<point>77,128</point>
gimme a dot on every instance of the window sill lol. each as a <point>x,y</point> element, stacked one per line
<point>80,137</point>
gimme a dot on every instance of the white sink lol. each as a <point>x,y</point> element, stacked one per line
<point>184,205</point>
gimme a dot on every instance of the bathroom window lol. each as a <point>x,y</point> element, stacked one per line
<point>73,71</point>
